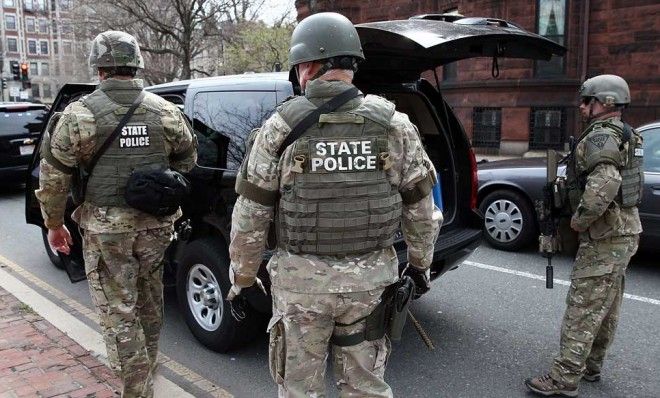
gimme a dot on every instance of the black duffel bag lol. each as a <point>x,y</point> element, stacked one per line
<point>157,192</point>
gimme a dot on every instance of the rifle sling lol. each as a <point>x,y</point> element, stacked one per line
<point>115,133</point>
<point>313,117</point>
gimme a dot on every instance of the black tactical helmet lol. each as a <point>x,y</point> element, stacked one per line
<point>323,36</point>
<point>607,89</point>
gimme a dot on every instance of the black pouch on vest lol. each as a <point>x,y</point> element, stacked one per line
<point>156,192</point>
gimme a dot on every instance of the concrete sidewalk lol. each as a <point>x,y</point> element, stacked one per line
<point>38,360</point>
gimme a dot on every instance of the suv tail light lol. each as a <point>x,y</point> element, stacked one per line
<point>475,180</point>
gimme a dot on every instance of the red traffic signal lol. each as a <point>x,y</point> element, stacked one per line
<point>25,68</point>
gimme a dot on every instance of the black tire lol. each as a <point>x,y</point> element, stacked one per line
<point>52,254</point>
<point>509,220</point>
<point>204,266</point>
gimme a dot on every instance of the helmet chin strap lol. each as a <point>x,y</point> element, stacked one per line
<point>593,116</point>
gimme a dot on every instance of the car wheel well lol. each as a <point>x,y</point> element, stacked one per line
<point>501,187</point>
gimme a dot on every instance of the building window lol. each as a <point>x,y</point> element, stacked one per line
<point>34,69</point>
<point>68,69</point>
<point>57,68</point>
<point>487,127</point>
<point>43,26</point>
<point>44,47</point>
<point>32,46</point>
<point>12,44</point>
<point>547,128</point>
<point>45,69</point>
<point>56,47</point>
<point>40,5</point>
<point>29,25</point>
<point>54,24</point>
<point>9,3</point>
<point>449,72</point>
<point>551,24</point>
<point>47,92</point>
<point>10,21</point>
<point>67,47</point>
<point>35,90</point>
<point>65,5</point>
<point>27,4</point>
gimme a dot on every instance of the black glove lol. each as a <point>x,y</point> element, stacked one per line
<point>422,279</point>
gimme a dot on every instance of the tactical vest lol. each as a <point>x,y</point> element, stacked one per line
<point>141,144</point>
<point>340,202</point>
<point>632,172</point>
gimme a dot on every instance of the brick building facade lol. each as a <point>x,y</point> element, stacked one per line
<point>39,33</point>
<point>533,105</point>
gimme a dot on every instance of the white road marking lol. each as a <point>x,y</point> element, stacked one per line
<point>87,337</point>
<point>556,281</point>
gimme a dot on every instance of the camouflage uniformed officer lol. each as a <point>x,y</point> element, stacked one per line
<point>605,178</point>
<point>344,189</point>
<point>123,247</point>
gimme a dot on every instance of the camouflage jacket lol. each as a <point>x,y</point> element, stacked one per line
<point>74,140</point>
<point>597,211</point>
<point>307,273</point>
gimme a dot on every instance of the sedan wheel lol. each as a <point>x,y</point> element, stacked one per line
<point>508,220</point>
<point>503,220</point>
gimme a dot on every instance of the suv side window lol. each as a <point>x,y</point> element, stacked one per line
<point>222,121</point>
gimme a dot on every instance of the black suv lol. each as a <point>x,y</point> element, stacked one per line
<point>223,110</point>
<point>20,125</point>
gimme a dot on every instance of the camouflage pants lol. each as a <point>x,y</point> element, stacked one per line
<point>593,305</point>
<point>124,271</point>
<point>300,332</point>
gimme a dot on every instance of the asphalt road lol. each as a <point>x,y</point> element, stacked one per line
<point>492,324</point>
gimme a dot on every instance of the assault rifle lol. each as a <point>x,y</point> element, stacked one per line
<point>549,214</point>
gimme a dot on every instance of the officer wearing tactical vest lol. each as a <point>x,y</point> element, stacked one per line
<point>123,247</point>
<point>604,180</point>
<point>339,193</point>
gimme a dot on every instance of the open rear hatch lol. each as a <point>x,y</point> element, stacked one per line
<point>399,51</point>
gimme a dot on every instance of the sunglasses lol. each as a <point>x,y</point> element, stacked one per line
<point>587,100</point>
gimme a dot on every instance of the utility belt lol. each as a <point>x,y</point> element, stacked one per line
<point>389,316</point>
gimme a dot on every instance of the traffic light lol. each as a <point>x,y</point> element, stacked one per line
<point>15,70</point>
<point>25,68</point>
<point>4,83</point>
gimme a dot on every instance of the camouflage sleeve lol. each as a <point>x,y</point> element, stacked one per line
<point>601,188</point>
<point>179,139</point>
<point>53,183</point>
<point>250,220</point>
<point>420,221</point>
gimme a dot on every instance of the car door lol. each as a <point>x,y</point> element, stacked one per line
<point>67,94</point>
<point>649,210</point>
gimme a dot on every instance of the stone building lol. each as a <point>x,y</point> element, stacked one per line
<point>533,105</point>
<point>40,34</point>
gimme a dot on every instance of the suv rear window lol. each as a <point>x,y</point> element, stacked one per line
<point>21,121</point>
<point>223,120</point>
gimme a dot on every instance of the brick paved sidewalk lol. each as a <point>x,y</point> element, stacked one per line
<point>38,360</point>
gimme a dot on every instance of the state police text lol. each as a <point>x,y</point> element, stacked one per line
<point>343,156</point>
<point>134,137</point>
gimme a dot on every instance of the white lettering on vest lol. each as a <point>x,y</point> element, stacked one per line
<point>134,136</point>
<point>328,156</point>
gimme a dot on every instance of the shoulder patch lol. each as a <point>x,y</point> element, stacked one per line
<point>598,140</point>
